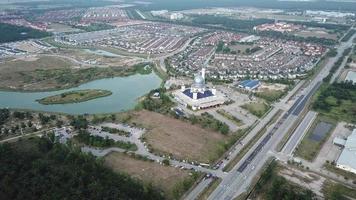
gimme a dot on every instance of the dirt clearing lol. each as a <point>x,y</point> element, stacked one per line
<point>182,140</point>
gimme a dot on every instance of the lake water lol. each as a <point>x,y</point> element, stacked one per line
<point>351,76</point>
<point>125,93</point>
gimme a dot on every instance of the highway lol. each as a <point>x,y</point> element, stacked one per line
<point>240,177</point>
<point>299,133</point>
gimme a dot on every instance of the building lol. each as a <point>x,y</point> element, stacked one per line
<point>198,95</point>
<point>250,38</point>
<point>347,158</point>
<point>176,16</point>
<point>249,84</point>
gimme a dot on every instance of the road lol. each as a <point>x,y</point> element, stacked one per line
<point>240,177</point>
<point>299,133</point>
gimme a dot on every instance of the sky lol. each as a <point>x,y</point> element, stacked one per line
<point>343,5</point>
<point>186,4</point>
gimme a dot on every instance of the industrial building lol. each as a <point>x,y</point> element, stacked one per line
<point>347,158</point>
<point>198,95</point>
<point>249,84</point>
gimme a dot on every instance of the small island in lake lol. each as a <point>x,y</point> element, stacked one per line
<point>76,96</point>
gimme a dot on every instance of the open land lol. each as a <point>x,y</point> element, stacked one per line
<point>317,33</point>
<point>61,28</point>
<point>270,95</point>
<point>257,108</point>
<point>182,140</point>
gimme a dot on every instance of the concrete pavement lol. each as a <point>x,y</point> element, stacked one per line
<point>232,126</point>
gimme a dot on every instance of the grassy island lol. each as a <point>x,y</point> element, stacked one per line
<point>74,97</point>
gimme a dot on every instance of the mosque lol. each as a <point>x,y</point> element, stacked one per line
<point>198,95</point>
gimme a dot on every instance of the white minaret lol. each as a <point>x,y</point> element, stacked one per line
<point>203,73</point>
<point>213,91</point>
<point>195,95</point>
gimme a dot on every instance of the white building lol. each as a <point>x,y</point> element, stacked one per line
<point>199,96</point>
<point>176,16</point>
<point>347,158</point>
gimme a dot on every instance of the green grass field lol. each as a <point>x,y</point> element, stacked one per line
<point>271,95</point>
<point>257,108</point>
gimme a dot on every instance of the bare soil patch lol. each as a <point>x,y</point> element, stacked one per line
<point>170,136</point>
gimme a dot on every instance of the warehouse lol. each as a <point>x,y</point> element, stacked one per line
<point>249,84</point>
<point>347,158</point>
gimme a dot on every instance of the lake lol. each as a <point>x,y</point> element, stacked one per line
<point>125,93</point>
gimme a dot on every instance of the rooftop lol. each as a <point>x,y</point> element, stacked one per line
<point>348,155</point>
<point>351,142</point>
<point>200,95</point>
<point>249,83</point>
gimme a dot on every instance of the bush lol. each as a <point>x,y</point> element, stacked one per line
<point>166,162</point>
<point>97,141</point>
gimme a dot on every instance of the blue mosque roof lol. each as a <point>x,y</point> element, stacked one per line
<point>200,95</point>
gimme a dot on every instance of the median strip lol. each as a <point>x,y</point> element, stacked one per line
<point>252,142</point>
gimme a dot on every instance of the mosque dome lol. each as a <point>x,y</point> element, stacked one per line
<point>199,80</point>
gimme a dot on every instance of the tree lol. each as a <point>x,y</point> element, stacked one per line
<point>55,171</point>
<point>29,124</point>
<point>43,118</point>
<point>79,122</point>
<point>19,115</point>
<point>4,115</point>
<point>165,162</point>
<point>59,123</point>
